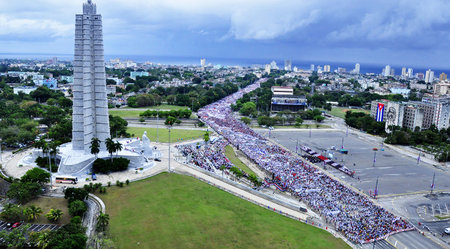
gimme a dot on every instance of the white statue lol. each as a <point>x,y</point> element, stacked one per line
<point>146,148</point>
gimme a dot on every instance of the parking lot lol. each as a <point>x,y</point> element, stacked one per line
<point>33,227</point>
<point>397,173</point>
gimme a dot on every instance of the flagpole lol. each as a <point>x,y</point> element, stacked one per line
<point>432,184</point>
<point>418,159</point>
<point>376,189</point>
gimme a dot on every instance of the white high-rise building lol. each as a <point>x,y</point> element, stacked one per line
<point>410,73</point>
<point>202,62</point>
<point>387,71</point>
<point>288,65</point>
<point>429,76</point>
<point>267,69</point>
<point>357,68</point>
<point>273,65</point>
<point>404,72</point>
<point>312,67</point>
<point>90,106</point>
<point>326,68</point>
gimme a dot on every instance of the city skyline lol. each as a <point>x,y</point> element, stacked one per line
<point>298,30</point>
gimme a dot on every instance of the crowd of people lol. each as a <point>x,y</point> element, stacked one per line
<point>208,157</point>
<point>353,214</point>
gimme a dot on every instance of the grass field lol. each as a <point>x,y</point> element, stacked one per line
<point>340,111</point>
<point>175,134</point>
<point>47,203</point>
<point>229,153</point>
<point>126,113</point>
<point>176,211</point>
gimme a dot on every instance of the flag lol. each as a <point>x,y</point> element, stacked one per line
<point>380,112</point>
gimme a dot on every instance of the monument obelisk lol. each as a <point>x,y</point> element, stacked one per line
<point>90,106</point>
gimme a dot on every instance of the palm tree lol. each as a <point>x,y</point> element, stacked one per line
<point>95,146</point>
<point>110,146</point>
<point>53,150</point>
<point>54,214</point>
<point>32,212</point>
<point>118,147</point>
<point>102,221</point>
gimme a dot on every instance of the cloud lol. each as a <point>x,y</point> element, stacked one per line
<point>32,28</point>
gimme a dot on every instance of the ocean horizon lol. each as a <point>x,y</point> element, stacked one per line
<point>216,61</point>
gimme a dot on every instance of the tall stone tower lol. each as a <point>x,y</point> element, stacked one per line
<point>90,106</point>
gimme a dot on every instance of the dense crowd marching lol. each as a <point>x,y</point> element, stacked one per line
<point>358,218</point>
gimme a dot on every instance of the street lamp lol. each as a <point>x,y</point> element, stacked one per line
<point>169,149</point>
<point>157,121</point>
<point>374,158</point>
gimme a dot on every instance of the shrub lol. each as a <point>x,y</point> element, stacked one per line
<point>109,184</point>
<point>77,208</point>
<point>107,166</point>
<point>72,194</point>
<point>127,182</point>
<point>117,183</point>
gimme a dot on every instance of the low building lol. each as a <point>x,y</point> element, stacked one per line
<point>282,90</point>
<point>288,102</point>
<point>133,75</point>
<point>24,89</point>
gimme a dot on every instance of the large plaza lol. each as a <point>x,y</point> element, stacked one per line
<point>396,173</point>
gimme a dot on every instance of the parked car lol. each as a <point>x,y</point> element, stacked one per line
<point>447,230</point>
<point>16,225</point>
<point>158,159</point>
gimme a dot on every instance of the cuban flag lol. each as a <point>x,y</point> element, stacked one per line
<point>380,112</point>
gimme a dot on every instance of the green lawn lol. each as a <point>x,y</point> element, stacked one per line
<point>340,111</point>
<point>126,113</point>
<point>47,203</point>
<point>175,134</point>
<point>229,153</point>
<point>177,211</point>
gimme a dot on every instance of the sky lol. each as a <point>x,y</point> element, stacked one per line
<point>396,32</point>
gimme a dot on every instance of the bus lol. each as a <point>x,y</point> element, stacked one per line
<point>66,179</point>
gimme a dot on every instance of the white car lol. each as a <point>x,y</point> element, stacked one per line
<point>447,230</point>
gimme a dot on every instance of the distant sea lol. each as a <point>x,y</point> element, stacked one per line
<point>191,60</point>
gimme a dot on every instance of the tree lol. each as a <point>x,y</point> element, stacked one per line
<point>40,239</point>
<point>12,212</point>
<point>77,208</point>
<point>32,212</point>
<point>102,222</point>
<point>118,126</point>
<point>95,146</point>
<point>206,137</point>
<point>16,238</point>
<point>24,191</point>
<point>54,214</point>
<point>298,122</point>
<point>246,120</point>
<point>36,175</point>
<point>319,118</point>
<point>248,108</point>
<point>110,146</point>
<point>72,194</point>
<point>170,121</point>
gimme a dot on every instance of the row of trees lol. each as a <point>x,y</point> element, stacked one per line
<point>433,140</point>
<point>184,113</point>
<point>365,122</point>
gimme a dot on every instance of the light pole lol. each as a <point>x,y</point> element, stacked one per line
<point>157,121</point>
<point>375,192</point>
<point>374,158</point>
<point>169,149</point>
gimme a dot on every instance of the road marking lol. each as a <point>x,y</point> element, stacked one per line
<point>392,174</point>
